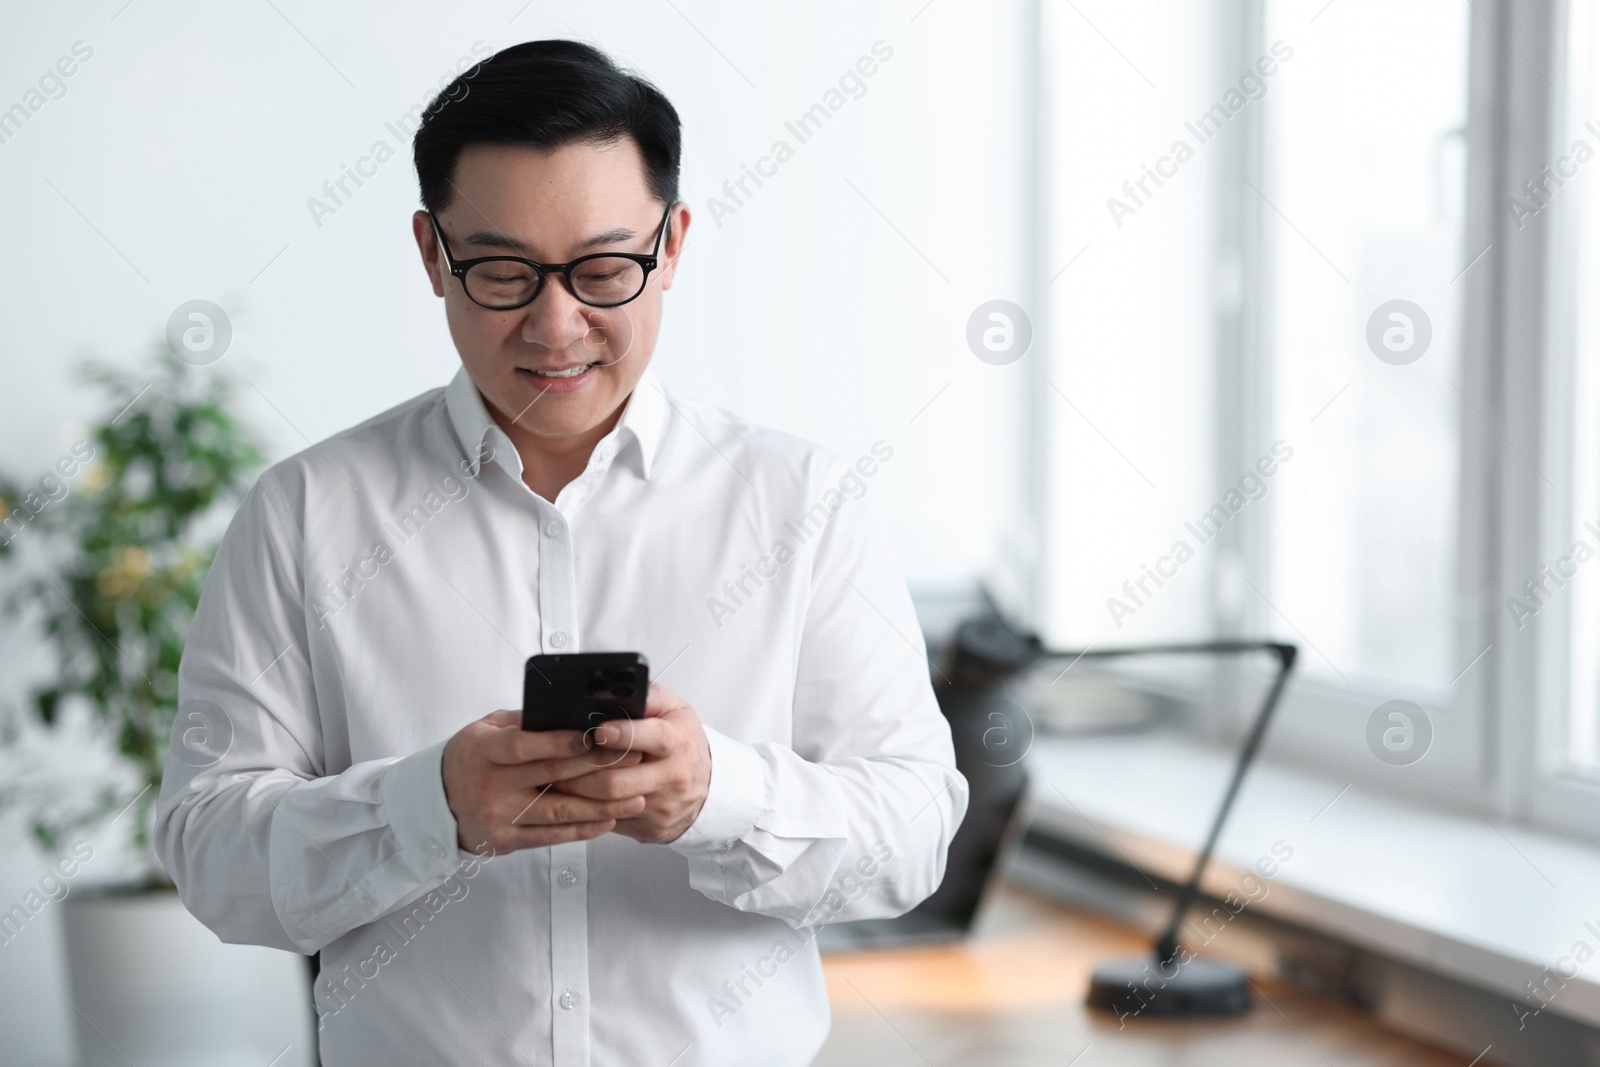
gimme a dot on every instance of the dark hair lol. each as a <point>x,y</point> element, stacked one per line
<point>546,94</point>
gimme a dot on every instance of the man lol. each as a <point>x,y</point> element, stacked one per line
<point>642,894</point>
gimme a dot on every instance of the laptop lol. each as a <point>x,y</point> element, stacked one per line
<point>978,854</point>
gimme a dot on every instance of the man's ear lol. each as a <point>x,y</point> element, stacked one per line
<point>432,262</point>
<point>679,224</point>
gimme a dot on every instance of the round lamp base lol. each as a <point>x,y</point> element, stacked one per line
<point>1141,985</point>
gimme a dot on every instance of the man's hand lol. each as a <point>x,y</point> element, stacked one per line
<point>672,779</point>
<point>498,781</point>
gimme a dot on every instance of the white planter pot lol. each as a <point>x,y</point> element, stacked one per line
<point>151,985</point>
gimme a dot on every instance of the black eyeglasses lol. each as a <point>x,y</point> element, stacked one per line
<point>602,280</point>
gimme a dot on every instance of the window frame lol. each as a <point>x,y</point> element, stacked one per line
<point>1537,673</point>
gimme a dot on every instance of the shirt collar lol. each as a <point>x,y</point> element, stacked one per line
<point>644,420</point>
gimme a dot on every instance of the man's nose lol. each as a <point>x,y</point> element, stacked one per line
<point>555,319</point>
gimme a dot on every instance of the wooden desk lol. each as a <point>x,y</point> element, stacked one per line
<point>1013,996</point>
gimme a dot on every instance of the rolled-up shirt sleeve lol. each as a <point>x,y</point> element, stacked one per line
<point>854,818</point>
<point>263,845</point>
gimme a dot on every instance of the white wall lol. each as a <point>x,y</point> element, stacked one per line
<point>179,162</point>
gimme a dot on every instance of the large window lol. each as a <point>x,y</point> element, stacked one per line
<point>1376,281</point>
<point>1363,189</point>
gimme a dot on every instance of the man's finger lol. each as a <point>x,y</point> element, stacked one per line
<point>512,838</point>
<point>653,737</point>
<point>638,781</point>
<point>503,717</point>
<point>548,807</point>
<point>660,700</point>
<point>539,773</point>
<point>512,744</point>
<point>601,757</point>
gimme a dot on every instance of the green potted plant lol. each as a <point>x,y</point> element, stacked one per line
<point>108,550</point>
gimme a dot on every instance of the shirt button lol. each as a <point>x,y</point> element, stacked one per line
<point>568,876</point>
<point>370,901</point>
<point>569,1000</point>
<point>552,529</point>
<point>558,639</point>
<point>438,849</point>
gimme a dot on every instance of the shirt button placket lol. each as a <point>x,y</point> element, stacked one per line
<point>569,953</point>
<point>568,863</point>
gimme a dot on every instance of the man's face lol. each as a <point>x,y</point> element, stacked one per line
<point>548,206</point>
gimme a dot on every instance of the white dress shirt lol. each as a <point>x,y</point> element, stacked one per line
<point>380,590</point>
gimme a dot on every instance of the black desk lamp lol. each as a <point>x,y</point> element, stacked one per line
<point>984,655</point>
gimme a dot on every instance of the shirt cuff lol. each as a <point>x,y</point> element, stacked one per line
<point>418,813</point>
<point>734,801</point>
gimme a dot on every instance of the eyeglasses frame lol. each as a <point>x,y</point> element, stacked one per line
<point>459,268</point>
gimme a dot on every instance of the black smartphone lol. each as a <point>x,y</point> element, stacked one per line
<point>580,690</point>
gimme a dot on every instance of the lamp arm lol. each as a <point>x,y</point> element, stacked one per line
<point>1167,945</point>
